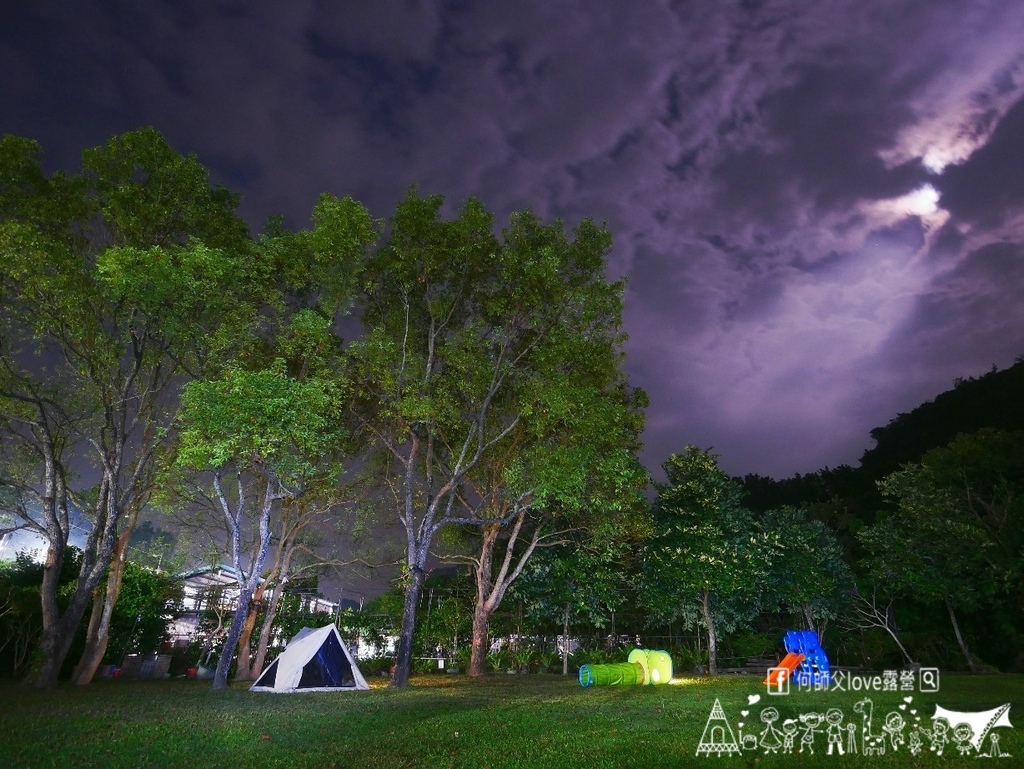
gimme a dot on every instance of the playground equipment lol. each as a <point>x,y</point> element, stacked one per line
<point>644,666</point>
<point>783,670</point>
<point>614,674</point>
<point>657,665</point>
<point>805,662</point>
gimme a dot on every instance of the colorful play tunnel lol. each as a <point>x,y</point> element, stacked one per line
<point>615,674</point>
<point>644,666</point>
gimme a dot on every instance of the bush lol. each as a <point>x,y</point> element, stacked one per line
<point>746,645</point>
<point>550,661</point>
<point>686,658</point>
<point>375,666</point>
<point>498,660</point>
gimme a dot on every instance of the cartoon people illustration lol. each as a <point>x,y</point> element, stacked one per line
<point>834,719</point>
<point>938,735</point>
<point>914,742</point>
<point>962,736</point>
<point>995,752</point>
<point>770,736</point>
<point>851,738</point>
<point>812,723</point>
<point>894,726</point>
<point>789,728</point>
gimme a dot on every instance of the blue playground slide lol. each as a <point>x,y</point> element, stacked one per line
<point>814,668</point>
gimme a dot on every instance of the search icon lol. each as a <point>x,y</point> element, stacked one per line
<point>929,680</point>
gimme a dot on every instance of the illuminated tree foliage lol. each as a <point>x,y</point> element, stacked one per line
<point>708,563</point>
<point>468,347</point>
<point>115,284</point>
<point>271,420</point>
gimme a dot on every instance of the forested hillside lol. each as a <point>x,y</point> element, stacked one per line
<point>930,522</point>
<point>991,400</point>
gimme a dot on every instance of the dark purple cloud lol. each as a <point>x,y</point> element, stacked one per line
<point>819,206</point>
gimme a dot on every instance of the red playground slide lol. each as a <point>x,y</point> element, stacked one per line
<point>783,670</point>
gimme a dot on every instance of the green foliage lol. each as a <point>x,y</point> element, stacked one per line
<point>377,621</point>
<point>21,618</point>
<point>955,531</point>
<point>148,194</point>
<point>155,548</point>
<point>808,573</point>
<point>706,544</point>
<point>445,623</point>
<point>471,334</point>
<point>144,612</point>
<point>294,615</point>
<point>186,291</point>
<point>260,418</point>
<point>140,622</point>
<point>990,401</point>
<point>587,579</point>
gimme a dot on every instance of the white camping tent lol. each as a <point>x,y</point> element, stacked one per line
<point>313,661</point>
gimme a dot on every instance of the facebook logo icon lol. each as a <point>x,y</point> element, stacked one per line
<point>777,681</point>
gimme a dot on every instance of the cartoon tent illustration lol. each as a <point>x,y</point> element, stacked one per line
<point>718,738</point>
<point>981,722</point>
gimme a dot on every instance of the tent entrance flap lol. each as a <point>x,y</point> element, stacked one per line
<point>329,667</point>
<point>269,676</point>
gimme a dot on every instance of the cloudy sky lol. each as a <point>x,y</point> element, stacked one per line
<point>820,206</point>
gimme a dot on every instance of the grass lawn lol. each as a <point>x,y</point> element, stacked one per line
<point>451,721</point>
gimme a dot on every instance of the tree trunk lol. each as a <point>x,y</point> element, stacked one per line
<point>44,676</point>
<point>483,609</point>
<point>92,631</point>
<point>272,492</point>
<point>960,638</point>
<point>565,640</point>
<point>244,670</point>
<point>809,618</point>
<point>403,659</point>
<point>903,650</point>
<point>266,630</point>
<point>58,629</point>
<point>490,588</point>
<point>709,620</point>
<point>98,636</point>
<point>220,677</point>
<point>478,655</point>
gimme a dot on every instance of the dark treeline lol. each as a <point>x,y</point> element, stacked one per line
<point>992,400</point>
<point>851,500</point>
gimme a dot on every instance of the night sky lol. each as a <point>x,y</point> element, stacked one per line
<point>820,206</point>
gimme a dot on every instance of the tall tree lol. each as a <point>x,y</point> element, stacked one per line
<point>808,575</point>
<point>113,282</point>
<point>708,561</point>
<point>271,417</point>
<point>466,335</point>
<point>569,465</point>
<point>269,431</point>
<point>585,578</point>
<point>953,536</point>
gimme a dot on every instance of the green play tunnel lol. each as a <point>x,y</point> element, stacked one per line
<point>657,665</point>
<point>616,674</point>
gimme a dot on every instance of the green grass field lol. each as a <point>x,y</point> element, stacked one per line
<point>451,721</point>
